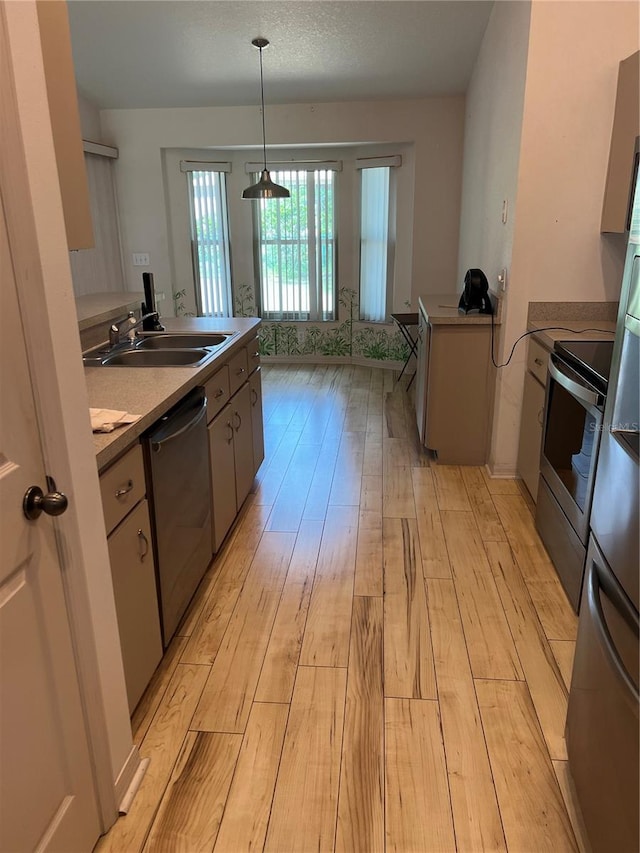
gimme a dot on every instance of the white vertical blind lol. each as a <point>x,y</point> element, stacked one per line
<point>210,242</point>
<point>374,243</point>
<point>296,247</point>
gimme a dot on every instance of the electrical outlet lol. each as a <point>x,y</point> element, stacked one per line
<point>141,259</point>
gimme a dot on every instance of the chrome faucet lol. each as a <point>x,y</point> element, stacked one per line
<point>129,325</point>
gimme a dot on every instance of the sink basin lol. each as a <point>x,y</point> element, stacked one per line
<point>157,358</point>
<point>181,341</point>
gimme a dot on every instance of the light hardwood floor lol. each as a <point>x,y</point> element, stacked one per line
<point>378,659</point>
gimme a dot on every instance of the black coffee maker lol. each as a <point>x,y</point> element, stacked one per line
<point>475,295</point>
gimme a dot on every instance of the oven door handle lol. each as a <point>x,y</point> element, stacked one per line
<point>586,395</point>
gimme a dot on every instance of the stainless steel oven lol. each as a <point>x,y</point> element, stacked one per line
<point>576,390</point>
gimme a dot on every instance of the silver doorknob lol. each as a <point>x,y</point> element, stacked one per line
<point>35,502</point>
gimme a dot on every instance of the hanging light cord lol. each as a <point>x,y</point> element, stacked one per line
<point>264,133</point>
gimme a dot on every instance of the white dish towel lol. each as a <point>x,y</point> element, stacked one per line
<point>106,420</point>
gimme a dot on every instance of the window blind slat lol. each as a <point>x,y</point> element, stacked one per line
<point>210,237</point>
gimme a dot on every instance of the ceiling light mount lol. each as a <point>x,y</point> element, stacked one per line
<point>265,188</point>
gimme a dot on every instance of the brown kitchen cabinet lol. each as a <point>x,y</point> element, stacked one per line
<point>133,571</point>
<point>62,95</point>
<point>622,152</point>
<point>454,389</point>
<point>532,417</point>
<point>236,442</point>
<point>257,426</point>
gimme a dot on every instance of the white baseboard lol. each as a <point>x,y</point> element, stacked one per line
<point>331,359</point>
<point>129,778</point>
<point>501,472</point>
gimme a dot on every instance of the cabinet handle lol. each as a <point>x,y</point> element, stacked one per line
<point>256,354</point>
<point>145,542</point>
<point>230,428</point>
<point>237,415</point>
<point>538,361</point>
<point>219,393</point>
<point>121,492</point>
<point>241,371</point>
<point>254,396</point>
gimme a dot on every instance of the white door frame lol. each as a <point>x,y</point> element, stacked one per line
<point>37,234</point>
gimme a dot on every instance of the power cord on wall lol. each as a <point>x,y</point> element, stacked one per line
<point>533,332</point>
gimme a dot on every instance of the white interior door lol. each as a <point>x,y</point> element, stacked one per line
<point>47,797</point>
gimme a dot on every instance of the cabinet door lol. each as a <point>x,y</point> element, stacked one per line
<point>223,478</point>
<point>531,433</point>
<point>243,443</point>
<point>134,588</point>
<point>421,375</point>
<point>255,386</point>
<point>60,78</point>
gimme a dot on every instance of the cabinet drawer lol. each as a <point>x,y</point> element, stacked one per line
<point>122,486</point>
<point>537,358</point>
<point>253,354</point>
<point>238,370</point>
<point>217,392</point>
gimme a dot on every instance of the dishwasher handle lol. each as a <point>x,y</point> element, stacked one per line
<point>201,413</point>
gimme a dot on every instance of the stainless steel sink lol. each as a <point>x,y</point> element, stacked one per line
<point>169,340</point>
<point>157,358</point>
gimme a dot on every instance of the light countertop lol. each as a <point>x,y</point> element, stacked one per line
<point>152,391</point>
<point>562,330</point>
<point>442,309</point>
<point>95,308</point>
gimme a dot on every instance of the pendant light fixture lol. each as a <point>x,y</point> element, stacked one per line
<point>265,188</point>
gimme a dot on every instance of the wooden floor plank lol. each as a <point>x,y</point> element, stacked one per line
<point>161,745</point>
<point>372,461</point>
<point>555,613</point>
<point>361,801</point>
<point>542,674</point>
<point>398,493</point>
<point>326,636</point>
<point>289,505</point>
<point>450,491</point>
<point>500,485</point>
<point>533,812</point>
<point>475,809</point>
<point>281,659</point>
<point>561,769</point>
<point>418,811</point>
<point>483,507</point>
<point>154,694</point>
<point>491,648</point>
<point>303,814</point>
<point>369,561</point>
<point>345,489</point>
<point>226,700</point>
<point>244,825</point>
<point>208,631</point>
<point>435,558</point>
<point>408,658</point>
<point>563,652</point>
<point>189,817</point>
<point>317,501</point>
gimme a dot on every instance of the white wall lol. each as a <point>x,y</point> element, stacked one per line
<point>89,119</point>
<point>557,251</point>
<point>434,126</point>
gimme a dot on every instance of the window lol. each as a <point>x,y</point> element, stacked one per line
<point>296,247</point>
<point>377,237</point>
<point>210,239</point>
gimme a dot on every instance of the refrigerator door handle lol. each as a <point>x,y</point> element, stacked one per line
<point>594,581</point>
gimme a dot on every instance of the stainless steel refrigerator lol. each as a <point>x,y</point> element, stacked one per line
<point>603,712</point>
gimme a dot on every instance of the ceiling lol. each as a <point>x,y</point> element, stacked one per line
<point>192,53</point>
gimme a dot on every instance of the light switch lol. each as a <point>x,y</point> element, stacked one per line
<point>141,259</point>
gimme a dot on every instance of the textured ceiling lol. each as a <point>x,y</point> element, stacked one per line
<point>172,53</point>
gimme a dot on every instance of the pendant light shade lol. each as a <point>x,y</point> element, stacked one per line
<point>265,188</point>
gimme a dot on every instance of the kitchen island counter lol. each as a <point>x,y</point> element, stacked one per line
<point>152,391</point>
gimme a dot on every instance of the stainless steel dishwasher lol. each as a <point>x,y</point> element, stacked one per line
<point>177,462</point>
